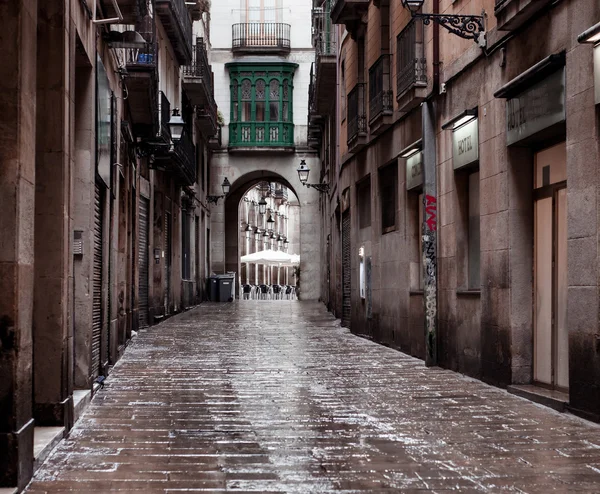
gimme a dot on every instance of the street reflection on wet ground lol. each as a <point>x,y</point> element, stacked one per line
<point>268,397</point>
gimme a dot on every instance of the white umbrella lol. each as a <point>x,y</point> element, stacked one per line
<point>268,257</point>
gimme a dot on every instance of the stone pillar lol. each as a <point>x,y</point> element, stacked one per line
<point>18,21</point>
<point>52,323</point>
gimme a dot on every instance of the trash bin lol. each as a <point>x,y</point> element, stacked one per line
<point>226,287</point>
<point>213,289</point>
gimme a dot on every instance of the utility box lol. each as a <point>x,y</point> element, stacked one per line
<point>226,282</point>
<point>213,289</point>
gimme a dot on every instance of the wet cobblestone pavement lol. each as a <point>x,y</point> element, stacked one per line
<point>275,397</point>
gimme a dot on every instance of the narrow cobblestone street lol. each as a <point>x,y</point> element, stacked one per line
<point>276,397</point>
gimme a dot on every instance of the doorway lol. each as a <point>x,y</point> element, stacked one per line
<point>551,338</point>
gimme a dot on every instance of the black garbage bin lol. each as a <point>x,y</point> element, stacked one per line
<point>213,289</point>
<point>226,287</point>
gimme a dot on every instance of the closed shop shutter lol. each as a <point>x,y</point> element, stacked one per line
<point>167,261</point>
<point>143,262</point>
<point>97,284</point>
<point>346,278</point>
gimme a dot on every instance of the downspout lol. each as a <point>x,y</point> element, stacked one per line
<point>430,222</point>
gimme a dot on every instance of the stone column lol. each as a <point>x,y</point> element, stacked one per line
<point>18,44</point>
<point>52,332</point>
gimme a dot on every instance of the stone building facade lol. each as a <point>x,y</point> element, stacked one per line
<point>511,130</point>
<point>104,217</point>
<point>261,55</point>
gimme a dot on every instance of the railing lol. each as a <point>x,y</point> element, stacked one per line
<point>215,141</point>
<point>164,116</point>
<point>208,110</point>
<point>311,90</point>
<point>411,63</point>
<point>380,94</point>
<point>185,152</point>
<point>324,38</point>
<point>200,66</point>
<point>141,58</point>
<point>257,35</point>
<point>269,134</point>
<point>357,115</point>
<point>183,17</point>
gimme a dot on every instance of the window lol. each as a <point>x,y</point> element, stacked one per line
<point>260,10</point>
<point>473,233</point>
<point>363,195</point>
<point>263,116</point>
<point>388,191</point>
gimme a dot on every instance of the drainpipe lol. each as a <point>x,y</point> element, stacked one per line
<point>430,205</point>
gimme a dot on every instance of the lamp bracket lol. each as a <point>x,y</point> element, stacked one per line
<point>465,26</point>
<point>319,187</point>
<point>214,199</point>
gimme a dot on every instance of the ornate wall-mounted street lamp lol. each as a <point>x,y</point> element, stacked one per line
<point>262,205</point>
<point>465,26</point>
<point>176,125</point>
<point>270,223</point>
<point>226,188</point>
<point>257,234</point>
<point>303,171</point>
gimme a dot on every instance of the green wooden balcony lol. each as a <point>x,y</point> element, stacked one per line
<point>261,135</point>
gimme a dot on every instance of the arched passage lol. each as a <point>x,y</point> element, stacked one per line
<point>232,219</point>
<point>243,175</point>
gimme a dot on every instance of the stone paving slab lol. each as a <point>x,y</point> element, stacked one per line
<point>275,397</point>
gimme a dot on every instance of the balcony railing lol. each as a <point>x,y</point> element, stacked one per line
<point>259,134</point>
<point>185,156</point>
<point>164,116</point>
<point>380,93</point>
<point>200,66</point>
<point>411,63</point>
<point>178,25</point>
<point>261,36</point>
<point>141,58</point>
<point>324,34</point>
<point>357,115</point>
<point>312,90</point>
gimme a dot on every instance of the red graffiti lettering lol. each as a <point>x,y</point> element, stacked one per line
<point>431,210</point>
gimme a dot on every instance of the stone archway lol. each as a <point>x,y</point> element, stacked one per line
<point>225,220</point>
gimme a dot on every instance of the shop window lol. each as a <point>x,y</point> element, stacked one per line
<point>388,191</point>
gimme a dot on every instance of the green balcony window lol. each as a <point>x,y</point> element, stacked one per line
<point>261,105</point>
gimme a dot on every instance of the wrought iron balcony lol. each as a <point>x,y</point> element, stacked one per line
<point>177,22</point>
<point>198,85</point>
<point>357,118</point>
<point>184,158</point>
<point>163,131</point>
<point>261,37</point>
<point>214,142</point>
<point>348,12</point>
<point>261,134</point>
<point>411,66</point>
<point>324,40</point>
<point>380,94</point>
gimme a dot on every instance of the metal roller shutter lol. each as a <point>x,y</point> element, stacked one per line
<point>168,226</point>
<point>143,262</point>
<point>97,284</point>
<point>346,277</point>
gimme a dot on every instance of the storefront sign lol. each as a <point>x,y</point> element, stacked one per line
<point>537,108</point>
<point>465,144</point>
<point>414,171</point>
